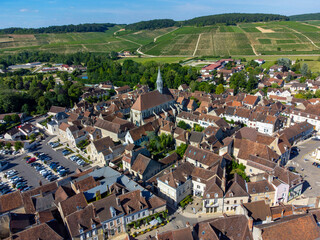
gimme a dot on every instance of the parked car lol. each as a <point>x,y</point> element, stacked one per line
<point>31,160</point>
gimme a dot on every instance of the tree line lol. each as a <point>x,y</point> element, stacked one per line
<point>87,27</point>
<point>228,19</point>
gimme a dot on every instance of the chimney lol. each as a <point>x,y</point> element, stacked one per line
<point>270,178</point>
<point>118,201</point>
<point>223,182</point>
<point>250,224</point>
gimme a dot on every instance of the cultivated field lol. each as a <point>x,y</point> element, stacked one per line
<point>271,38</point>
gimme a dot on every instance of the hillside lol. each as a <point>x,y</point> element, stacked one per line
<point>178,40</point>
<point>305,17</point>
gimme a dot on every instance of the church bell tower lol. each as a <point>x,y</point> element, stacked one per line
<point>159,82</point>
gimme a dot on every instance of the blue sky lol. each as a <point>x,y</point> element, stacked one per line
<point>37,13</point>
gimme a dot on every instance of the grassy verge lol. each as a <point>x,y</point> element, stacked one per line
<point>84,159</point>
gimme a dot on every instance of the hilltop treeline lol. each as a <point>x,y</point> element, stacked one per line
<point>228,19</point>
<point>88,27</point>
<point>304,17</point>
<point>233,18</point>
<point>152,24</point>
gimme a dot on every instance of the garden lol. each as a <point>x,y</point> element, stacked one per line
<point>148,223</point>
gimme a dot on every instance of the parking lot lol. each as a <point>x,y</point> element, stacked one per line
<point>310,173</point>
<point>31,176</point>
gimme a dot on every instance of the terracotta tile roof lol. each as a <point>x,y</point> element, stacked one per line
<point>179,234</point>
<point>281,211</point>
<point>108,126</point>
<point>141,163</point>
<point>237,187</point>
<point>84,219</point>
<point>230,227</point>
<point>248,148</point>
<point>293,228</point>
<point>10,201</point>
<point>103,144</point>
<point>133,202</point>
<point>213,187</point>
<point>56,109</point>
<point>287,176</point>
<point>28,195</point>
<point>178,175</point>
<point>258,210</point>
<point>204,157</point>
<point>172,158</point>
<point>36,232</point>
<point>63,126</point>
<point>86,184</point>
<point>152,99</point>
<point>70,205</point>
<point>103,206</point>
<point>260,187</point>
<point>261,163</point>
<point>45,216</point>
<point>156,202</point>
<point>141,131</point>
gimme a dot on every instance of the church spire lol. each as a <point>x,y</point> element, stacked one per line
<point>159,82</point>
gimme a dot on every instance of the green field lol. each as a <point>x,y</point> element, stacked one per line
<point>270,38</point>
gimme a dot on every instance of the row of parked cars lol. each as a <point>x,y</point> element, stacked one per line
<point>4,188</point>
<point>47,174</point>
<point>77,160</point>
<point>42,156</point>
<point>18,182</point>
<point>8,152</point>
<point>62,171</point>
<point>54,144</point>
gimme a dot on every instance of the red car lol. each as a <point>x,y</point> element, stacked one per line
<point>31,160</point>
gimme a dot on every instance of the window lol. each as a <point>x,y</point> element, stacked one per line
<point>216,195</point>
<point>88,234</point>
<point>138,215</point>
<point>228,202</point>
<point>111,224</point>
<point>143,214</point>
<point>119,229</point>
<point>198,186</point>
<point>105,225</point>
<point>235,201</point>
<point>118,221</point>
<point>227,208</point>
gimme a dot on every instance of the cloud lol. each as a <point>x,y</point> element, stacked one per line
<point>28,10</point>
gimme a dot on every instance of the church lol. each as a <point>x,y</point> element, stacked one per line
<point>152,103</point>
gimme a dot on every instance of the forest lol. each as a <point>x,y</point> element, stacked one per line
<point>152,24</point>
<point>22,91</point>
<point>233,18</point>
<point>87,27</point>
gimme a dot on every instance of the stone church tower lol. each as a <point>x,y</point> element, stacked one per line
<point>159,82</point>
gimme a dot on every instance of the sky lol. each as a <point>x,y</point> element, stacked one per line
<point>40,13</point>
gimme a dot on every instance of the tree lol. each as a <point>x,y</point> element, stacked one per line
<point>181,149</point>
<point>183,125</point>
<point>220,89</point>
<point>25,109</point>
<point>17,146</point>
<point>8,145</point>
<point>193,86</point>
<point>285,62</point>
<point>7,118</point>
<point>304,69</point>
<point>15,118</point>
<point>198,128</point>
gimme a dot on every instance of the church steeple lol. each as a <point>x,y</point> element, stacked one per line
<point>159,82</point>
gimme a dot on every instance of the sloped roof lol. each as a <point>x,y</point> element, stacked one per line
<point>152,99</point>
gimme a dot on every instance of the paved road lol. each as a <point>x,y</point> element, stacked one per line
<point>311,173</point>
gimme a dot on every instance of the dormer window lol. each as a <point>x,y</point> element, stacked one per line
<point>93,225</point>
<point>81,230</point>
<point>231,194</point>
